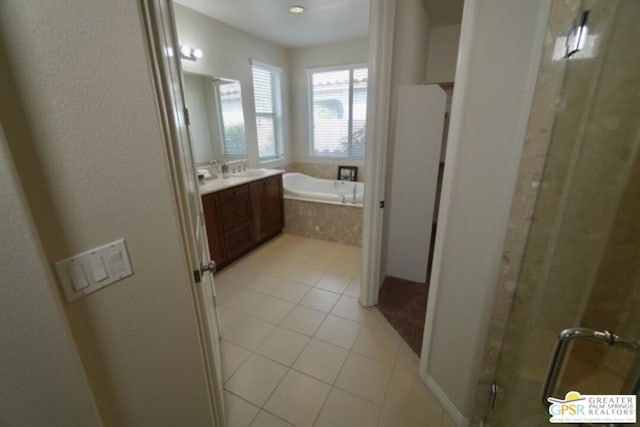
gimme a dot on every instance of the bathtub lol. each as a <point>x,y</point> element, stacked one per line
<point>298,186</point>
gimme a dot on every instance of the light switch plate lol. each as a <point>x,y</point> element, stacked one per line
<point>89,271</point>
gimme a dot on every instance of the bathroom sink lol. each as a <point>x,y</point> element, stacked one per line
<point>250,173</point>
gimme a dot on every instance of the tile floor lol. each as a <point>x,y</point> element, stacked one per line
<point>298,349</point>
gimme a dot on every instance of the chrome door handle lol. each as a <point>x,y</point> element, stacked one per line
<point>560,351</point>
<point>210,267</point>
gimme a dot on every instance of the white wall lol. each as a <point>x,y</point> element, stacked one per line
<point>443,52</point>
<point>82,125</point>
<point>343,53</point>
<point>410,49</point>
<point>43,382</point>
<point>500,51</point>
<point>227,53</point>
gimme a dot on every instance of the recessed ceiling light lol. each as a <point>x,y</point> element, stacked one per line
<point>296,9</point>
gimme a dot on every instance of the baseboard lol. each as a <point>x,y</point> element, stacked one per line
<point>446,403</point>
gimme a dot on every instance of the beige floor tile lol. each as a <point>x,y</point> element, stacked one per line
<point>304,275</point>
<point>281,269</point>
<point>239,412</point>
<point>244,300</point>
<point>321,360</point>
<point>377,344</point>
<point>265,419</point>
<point>298,399</point>
<point>283,346</point>
<point>407,359</point>
<point>248,333</point>
<point>236,275</point>
<point>256,379</point>
<point>225,292</point>
<point>320,299</point>
<point>304,320</point>
<point>291,291</point>
<point>350,308</point>
<point>391,419</point>
<point>345,269</point>
<point>265,284</point>
<point>333,282</point>
<point>295,259</point>
<point>338,331</point>
<point>229,317</point>
<point>364,377</point>
<point>343,409</point>
<point>377,320</point>
<point>408,396</point>
<point>272,310</point>
<point>232,357</point>
<point>353,290</point>
<point>318,263</point>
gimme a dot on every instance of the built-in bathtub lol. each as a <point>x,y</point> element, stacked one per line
<point>304,187</point>
<point>323,208</point>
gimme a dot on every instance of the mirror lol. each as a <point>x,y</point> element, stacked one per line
<point>217,118</point>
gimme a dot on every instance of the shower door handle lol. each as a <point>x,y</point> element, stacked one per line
<point>560,351</point>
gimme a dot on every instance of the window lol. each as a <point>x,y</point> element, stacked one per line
<point>267,92</point>
<point>338,112</point>
<point>231,119</point>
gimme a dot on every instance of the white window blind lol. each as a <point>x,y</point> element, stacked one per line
<point>267,90</point>
<point>338,112</point>
<point>234,141</point>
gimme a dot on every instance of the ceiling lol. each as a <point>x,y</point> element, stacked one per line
<point>444,12</point>
<point>322,22</point>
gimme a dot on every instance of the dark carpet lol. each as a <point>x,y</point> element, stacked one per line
<point>404,305</point>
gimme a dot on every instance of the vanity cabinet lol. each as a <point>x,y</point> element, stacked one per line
<point>267,207</point>
<point>240,218</point>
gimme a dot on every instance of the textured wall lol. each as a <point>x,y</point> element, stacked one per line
<point>227,52</point>
<point>323,170</point>
<point>43,382</point>
<point>89,152</point>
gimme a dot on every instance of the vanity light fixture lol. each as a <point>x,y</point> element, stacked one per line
<point>296,9</point>
<point>190,53</point>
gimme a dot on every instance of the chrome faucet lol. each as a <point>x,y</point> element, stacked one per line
<point>355,187</point>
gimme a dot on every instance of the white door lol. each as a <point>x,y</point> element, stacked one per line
<point>164,50</point>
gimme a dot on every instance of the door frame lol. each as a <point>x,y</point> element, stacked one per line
<point>381,33</point>
<point>150,11</point>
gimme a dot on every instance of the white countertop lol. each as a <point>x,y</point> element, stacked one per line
<point>217,184</point>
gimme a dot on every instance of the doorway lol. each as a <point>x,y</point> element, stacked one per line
<point>579,268</point>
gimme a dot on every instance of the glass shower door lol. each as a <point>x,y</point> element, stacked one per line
<point>581,266</point>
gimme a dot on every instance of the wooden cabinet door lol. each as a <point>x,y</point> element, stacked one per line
<point>274,204</point>
<point>210,208</point>
<point>257,193</point>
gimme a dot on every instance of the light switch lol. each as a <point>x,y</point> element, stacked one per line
<point>94,269</point>
<point>116,262</point>
<point>97,269</point>
<point>77,276</point>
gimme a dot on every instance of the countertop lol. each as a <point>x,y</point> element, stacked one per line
<point>217,184</point>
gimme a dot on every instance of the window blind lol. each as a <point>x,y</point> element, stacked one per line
<point>267,92</point>
<point>234,142</point>
<point>339,112</point>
